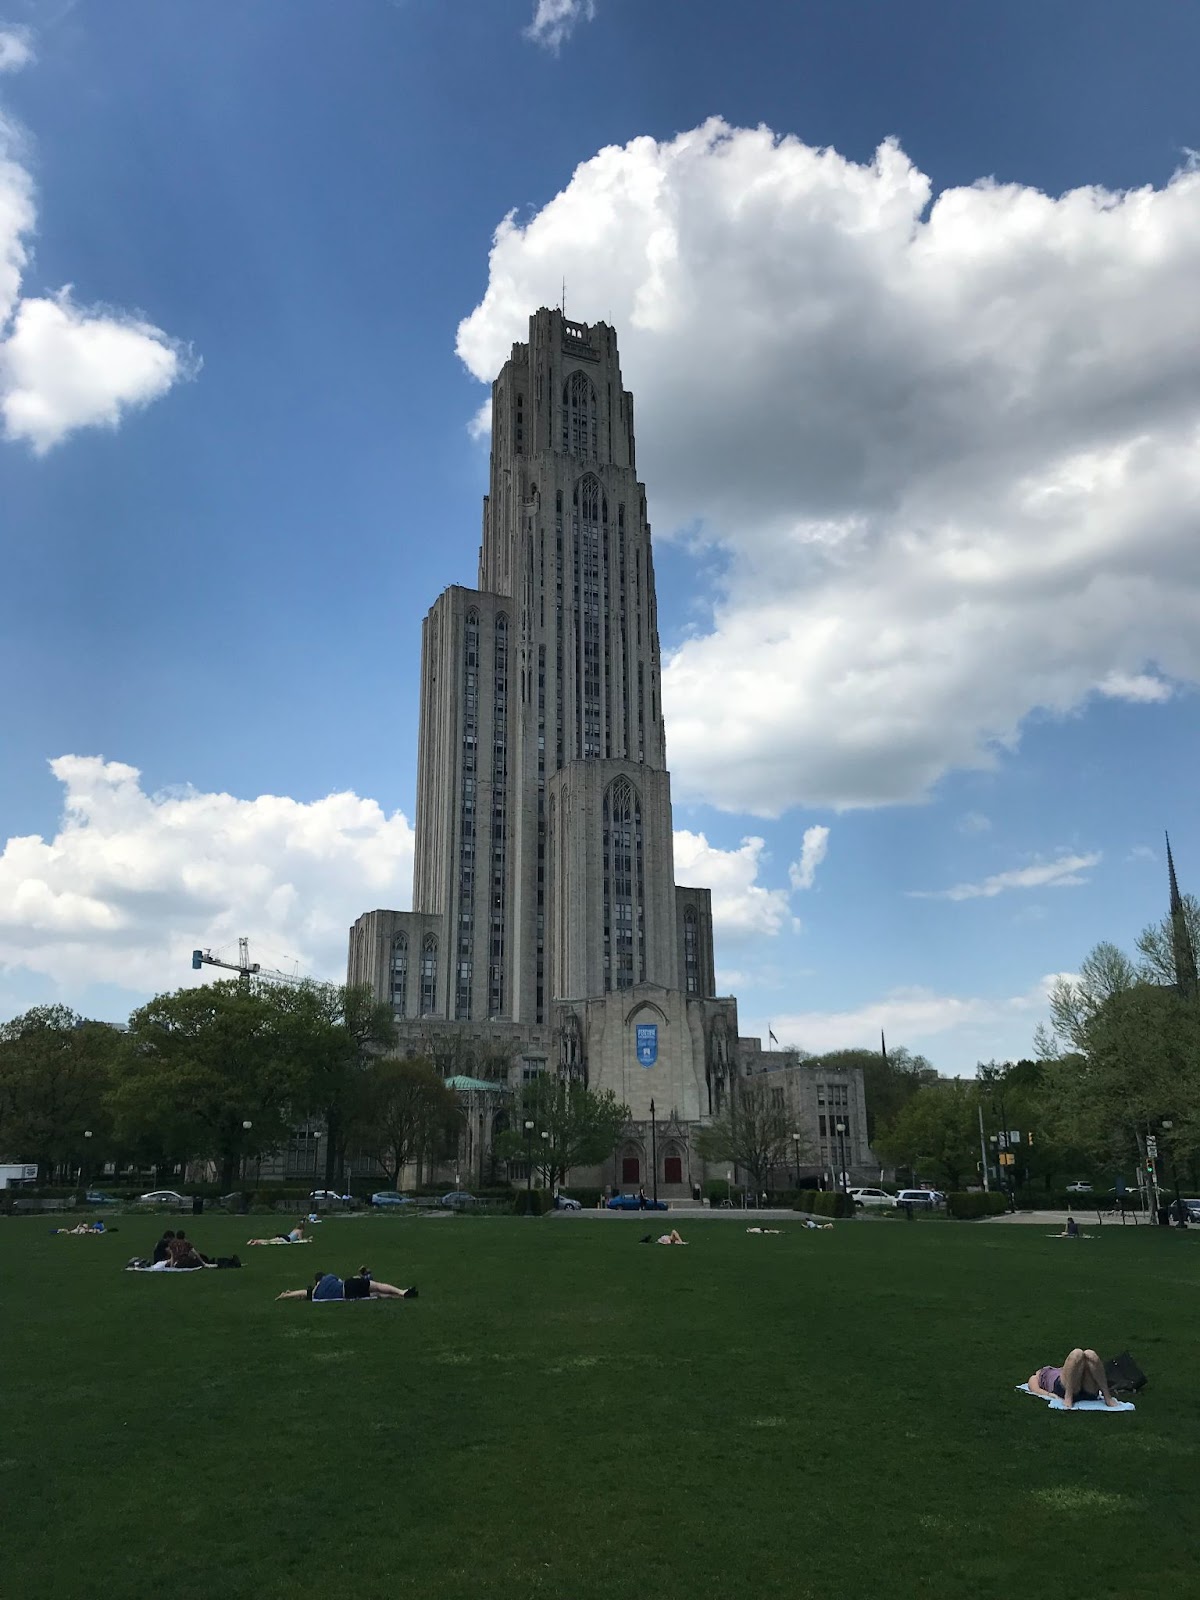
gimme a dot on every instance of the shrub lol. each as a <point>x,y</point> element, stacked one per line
<point>531,1202</point>
<point>588,1198</point>
<point>717,1191</point>
<point>966,1205</point>
<point>824,1203</point>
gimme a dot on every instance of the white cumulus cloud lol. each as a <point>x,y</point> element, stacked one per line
<point>16,48</point>
<point>812,852</point>
<point>554,21</point>
<point>132,881</point>
<point>64,366</point>
<point>1066,872</point>
<point>950,447</point>
<point>740,904</point>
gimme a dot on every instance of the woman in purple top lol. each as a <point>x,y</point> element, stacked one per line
<point>1081,1377</point>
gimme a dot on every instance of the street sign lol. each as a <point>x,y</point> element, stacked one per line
<point>1152,1147</point>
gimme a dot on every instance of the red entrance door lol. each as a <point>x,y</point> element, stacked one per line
<point>673,1169</point>
<point>631,1170</point>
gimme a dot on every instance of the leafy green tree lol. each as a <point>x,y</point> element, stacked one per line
<point>332,1034</point>
<point>407,1114</point>
<point>1106,971</point>
<point>753,1132</point>
<point>887,1084</point>
<point>55,1067</point>
<point>201,1064</point>
<point>937,1131</point>
<point>582,1126</point>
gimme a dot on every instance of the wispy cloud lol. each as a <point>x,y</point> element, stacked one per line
<point>1141,852</point>
<point>974,822</point>
<point>554,21</point>
<point>1061,874</point>
<point>812,853</point>
<point>16,48</point>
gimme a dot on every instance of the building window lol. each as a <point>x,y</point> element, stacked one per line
<point>429,976</point>
<point>691,951</point>
<point>624,896</point>
<point>579,431</point>
<point>400,974</point>
<point>589,529</point>
<point>499,813</point>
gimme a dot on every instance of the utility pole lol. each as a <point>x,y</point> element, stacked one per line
<point>654,1149</point>
<point>983,1151</point>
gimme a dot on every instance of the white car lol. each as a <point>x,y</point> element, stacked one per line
<point>917,1197</point>
<point>1079,1188</point>
<point>870,1197</point>
<point>163,1197</point>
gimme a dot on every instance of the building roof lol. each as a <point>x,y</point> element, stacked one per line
<point>476,1083</point>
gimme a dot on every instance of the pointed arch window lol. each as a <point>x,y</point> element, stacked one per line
<point>429,976</point>
<point>579,425</point>
<point>399,976</point>
<point>589,528</point>
<point>691,951</point>
<point>624,887</point>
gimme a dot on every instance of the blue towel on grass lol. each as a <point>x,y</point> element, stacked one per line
<point>1080,1405</point>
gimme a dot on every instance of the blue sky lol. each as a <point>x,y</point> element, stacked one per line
<point>918,426</point>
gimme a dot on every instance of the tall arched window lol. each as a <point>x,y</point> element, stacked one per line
<point>579,428</point>
<point>399,975</point>
<point>429,976</point>
<point>499,819</point>
<point>624,894</point>
<point>589,552</point>
<point>691,951</point>
<point>468,824</point>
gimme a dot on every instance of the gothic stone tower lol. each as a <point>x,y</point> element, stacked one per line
<point>544,892</point>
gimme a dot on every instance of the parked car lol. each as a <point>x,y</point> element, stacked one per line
<point>389,1197</point>
<point>1192,1207</point>
<point>97,1197</point>
<point>563,1202</point>
<point>458,1200</point>
<point>329,1197</point>
<point>917,1197</point>
<point>870,1197</point>
<point>1079,1188</point>
<point>635,1202</point>
<point>163,1197</point>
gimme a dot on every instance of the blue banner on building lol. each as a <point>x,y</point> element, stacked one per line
<point>647,1043</point>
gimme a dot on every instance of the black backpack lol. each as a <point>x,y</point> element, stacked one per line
<point>1124,1375</point>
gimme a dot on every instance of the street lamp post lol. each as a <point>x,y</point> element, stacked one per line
<point>1167,1125</point>
<point>796,1152</point>
<point>83,1165</point>
<point>546,1159</point>
<point>654,1151</point>
<point>528,1162</point>
<point>840,1129</point>
<point>246,1127</point>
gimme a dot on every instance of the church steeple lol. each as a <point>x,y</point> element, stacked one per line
<point>1186,980</point>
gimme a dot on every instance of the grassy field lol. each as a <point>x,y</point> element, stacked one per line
<point>564,1413</point>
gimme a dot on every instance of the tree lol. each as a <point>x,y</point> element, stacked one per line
<point>200,1065</point>
<point>937,1130</point>
<point>407,1114</point>
<point>333,1033</point>
<point>55,1067</point>
<point>753,1132</point>
<point>1106,971</point>
<point>1156,944</point>
<point>888,1082</point>
<point>582,1126</point>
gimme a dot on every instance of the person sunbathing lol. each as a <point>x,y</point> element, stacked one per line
<point>362,1286</point>
<point>295,1236</point>
<point>764,1230</point>
<point>84,1227</point>
<point>807,1222</point>
<point>1081,1377</point>
<point>670,1238</point>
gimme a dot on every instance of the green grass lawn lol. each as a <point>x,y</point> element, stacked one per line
<point>565,1413</point>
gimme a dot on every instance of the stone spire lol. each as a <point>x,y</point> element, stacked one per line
<point>1181,940</point>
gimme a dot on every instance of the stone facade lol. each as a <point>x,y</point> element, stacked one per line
<point>547,929</point>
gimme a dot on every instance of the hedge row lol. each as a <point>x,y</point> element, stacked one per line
<point>968,1204</point>
<point>588,1198</point>
<point>823,1203</point>
<point>532,1202</point>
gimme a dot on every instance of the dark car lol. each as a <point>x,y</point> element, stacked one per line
<point>97,1197</point>
<point>635,1202</point>
<point>389,1197</point>
<point>458,1200</point>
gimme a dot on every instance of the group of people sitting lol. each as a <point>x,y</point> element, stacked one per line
<point>176,1250</point>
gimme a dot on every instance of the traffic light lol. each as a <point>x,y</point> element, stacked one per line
<point>1150,1168</point>
<point>196,962</point>
<point>1030,1137</point>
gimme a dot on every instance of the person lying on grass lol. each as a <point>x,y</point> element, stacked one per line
<point>328,1286</point>
<point>807,1222</point>
<point>764,1230</point>
<point>84,1227</point>
<point>1081,1377</point>
<point>665,1238</point>
<point>296,1236</point>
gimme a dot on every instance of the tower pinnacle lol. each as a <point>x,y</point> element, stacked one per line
<point>1186,980</point>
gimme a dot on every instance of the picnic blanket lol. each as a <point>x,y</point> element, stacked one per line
<point>162,1267</point>
<point>1080,1405</point>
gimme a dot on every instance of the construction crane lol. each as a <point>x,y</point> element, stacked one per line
<point>243,966</point>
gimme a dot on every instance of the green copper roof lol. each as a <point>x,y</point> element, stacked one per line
<point>476,1083</point>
